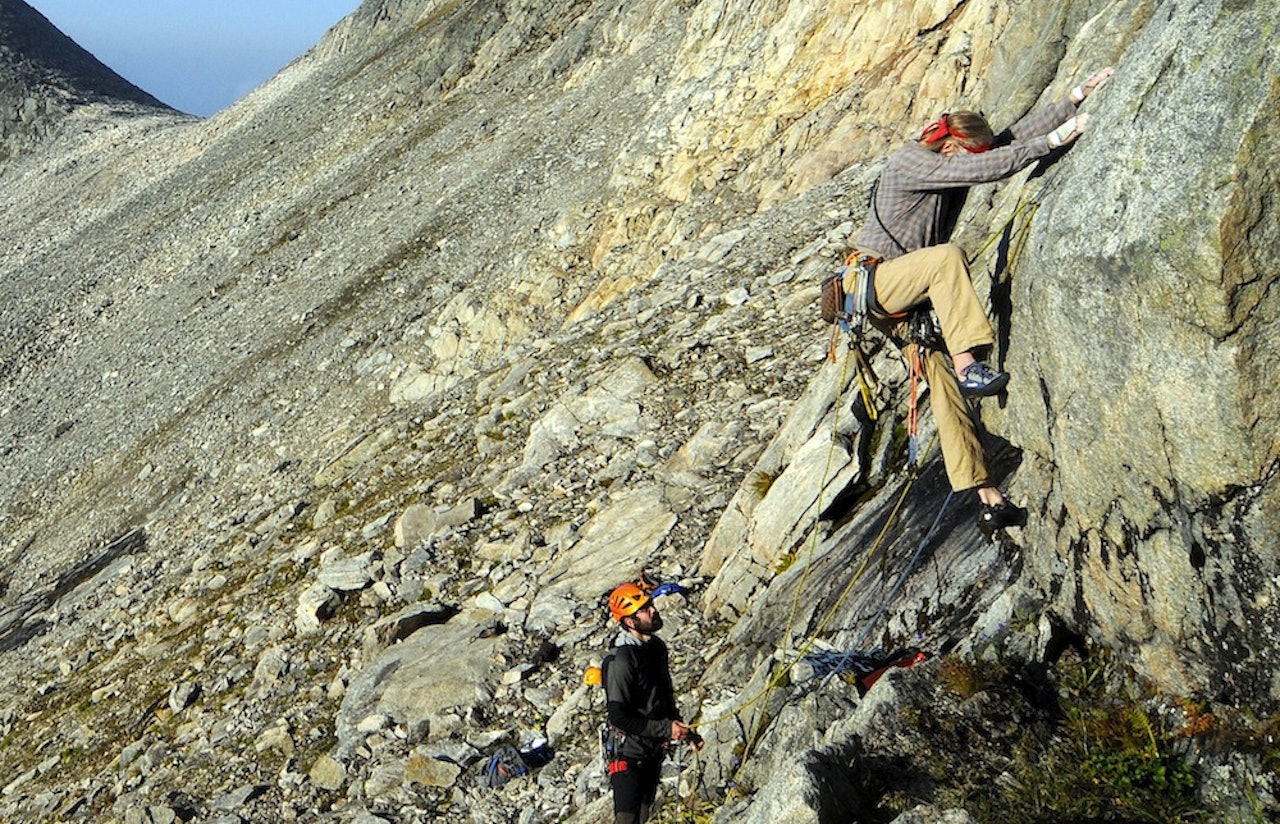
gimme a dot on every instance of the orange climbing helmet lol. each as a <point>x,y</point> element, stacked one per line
<point>627,599</point>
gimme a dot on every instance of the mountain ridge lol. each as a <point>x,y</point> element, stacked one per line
<point>44,76</point>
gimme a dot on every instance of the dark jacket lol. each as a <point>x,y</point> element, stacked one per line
<point>641,699</point>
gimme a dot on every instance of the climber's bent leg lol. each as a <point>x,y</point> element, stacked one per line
<point>940,274</point>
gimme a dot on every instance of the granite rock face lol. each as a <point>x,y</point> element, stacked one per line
<point>1147,429</point>
<point>329,421</point>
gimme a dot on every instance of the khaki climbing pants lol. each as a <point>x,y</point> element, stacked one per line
<point>941,274</point>
<point>958,433</point>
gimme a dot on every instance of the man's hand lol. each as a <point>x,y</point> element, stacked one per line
<point>1096,81</point>
<point>1069,131</point>
<point>681,731</point>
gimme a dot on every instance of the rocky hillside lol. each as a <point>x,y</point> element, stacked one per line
<point>328,421</point>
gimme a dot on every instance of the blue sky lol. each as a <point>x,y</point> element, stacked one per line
<point>199,56</point>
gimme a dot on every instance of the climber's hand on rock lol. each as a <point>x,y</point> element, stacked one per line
<point>1069,131</point>
<point>1096,81</point>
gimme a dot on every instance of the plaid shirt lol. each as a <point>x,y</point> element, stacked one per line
<point>920,193</point>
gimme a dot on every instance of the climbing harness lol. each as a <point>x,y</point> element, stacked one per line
<point>849,309</point>
<point>916,360</point>
<point>611,739</point>
<point>850,312</point>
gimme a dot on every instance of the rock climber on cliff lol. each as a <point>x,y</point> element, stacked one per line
<point>905,248</point>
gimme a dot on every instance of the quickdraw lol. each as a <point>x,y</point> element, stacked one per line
<point>916,363</point>
<point>923,334</point>
<point>849,310</point>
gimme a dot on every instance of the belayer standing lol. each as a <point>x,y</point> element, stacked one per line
<point>906,250</point>
<point>643,718</point>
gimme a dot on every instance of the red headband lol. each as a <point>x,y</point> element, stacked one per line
<point>941,129</point>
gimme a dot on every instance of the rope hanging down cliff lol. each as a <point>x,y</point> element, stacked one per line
<point>1016,235</point>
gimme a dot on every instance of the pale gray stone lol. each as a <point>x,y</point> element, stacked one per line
<point>183,695</point>
<point>278,738</point>
<point>162,815</point>
<point>551,613</point>
<point>490,602</point>
<point>272,666</point>
<point>317,603</point>
<point>435,668</point>
<point>238,798</point>
<point>324,514</point>
<point>384,779</point>
<point>430,772</point>
<point>613,546</point>
<point>420,523</point>
<point>375,527</point>
<point>350,574</point>
<point>404,623</point>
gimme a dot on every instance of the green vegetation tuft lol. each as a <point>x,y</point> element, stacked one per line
<point>1113,757</point>
<point>760,483</point>
<point>967,678</point>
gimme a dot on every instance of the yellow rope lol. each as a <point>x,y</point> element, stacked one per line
<point>817,513</point>
<point>1031,204</point>
<point>830,614</point>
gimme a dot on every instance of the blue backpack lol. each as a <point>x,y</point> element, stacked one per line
<point>505,764</point>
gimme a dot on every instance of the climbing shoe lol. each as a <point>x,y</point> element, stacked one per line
<point>995,517</point>
<point>980,380</point>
